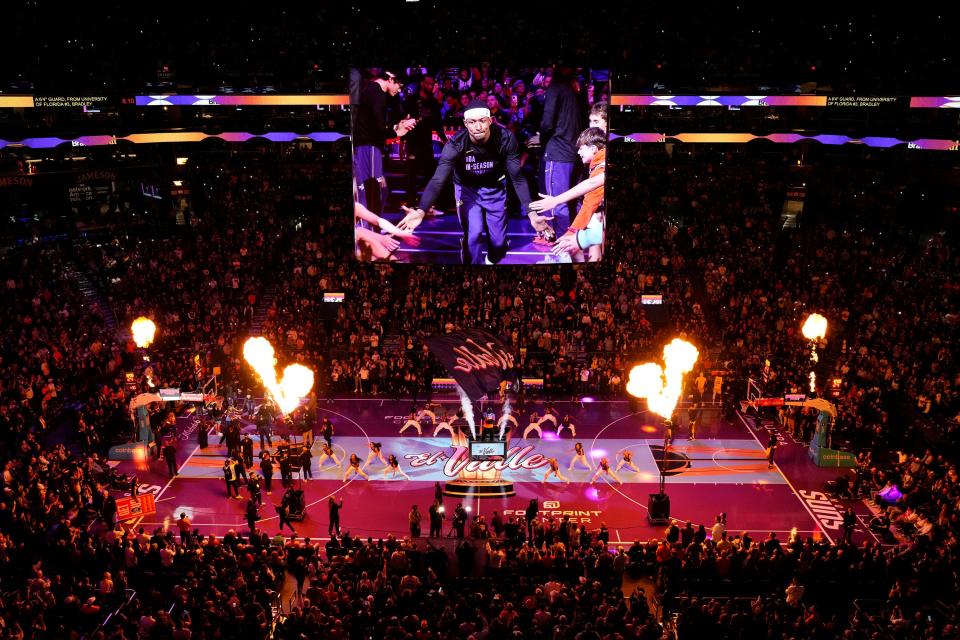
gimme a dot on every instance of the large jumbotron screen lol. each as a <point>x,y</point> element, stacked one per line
<point>482,165</point>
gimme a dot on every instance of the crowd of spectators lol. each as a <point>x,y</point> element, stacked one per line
<point>561,581</point>
<point>854,261</point>
<point>402,588</point>
<point>515,96</point>
<point>310,48</point>
<point>53,347</point>
<point>799,588</point>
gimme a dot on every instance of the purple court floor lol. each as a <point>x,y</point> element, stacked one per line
<point>723,469</point>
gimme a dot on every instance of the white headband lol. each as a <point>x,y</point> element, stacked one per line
<point>477,112</point>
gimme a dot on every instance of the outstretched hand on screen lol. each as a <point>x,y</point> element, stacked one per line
<point>412,219</point>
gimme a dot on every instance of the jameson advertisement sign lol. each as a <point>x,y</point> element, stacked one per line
<point>477,360</point>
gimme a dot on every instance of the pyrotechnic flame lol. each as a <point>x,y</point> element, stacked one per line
<point>507,410</point>
<point>467,410</point>
<point>143,331</point>
<point>148,374</point>
<point>645,381</point>
<point>296,382</point>
<point>815,327</point>
<point>661,387</point>
<point>140,458</point>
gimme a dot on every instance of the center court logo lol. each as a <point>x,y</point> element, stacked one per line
<point>516,458</point>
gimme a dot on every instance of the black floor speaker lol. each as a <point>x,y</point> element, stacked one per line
<point>658,509</point>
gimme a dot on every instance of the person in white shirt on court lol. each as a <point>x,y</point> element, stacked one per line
<point>393,468</point>
<point>554,470</point>
<point>412,422</point>
<point>604,468</point>
<point>579,456</point>
<point>427,413</point>
<point>375,454</point>
<point>626,460</point>
<point>328,454</point>
<point>549,416</point>
<point>443,425</point>
<point>533,426</point>
<point>354,468</point>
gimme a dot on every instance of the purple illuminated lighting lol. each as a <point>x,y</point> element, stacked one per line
<point>42,143</point>
<point>182,136</point>
<point>830,139</point>
<point>241,100</point>
<point>720,101</point>
<point>891,493</point>
<point>938,102</point>
<point>932,144</point>
<point>881,142</point>
<point>791,138</point>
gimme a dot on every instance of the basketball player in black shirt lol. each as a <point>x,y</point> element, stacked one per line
<point>372,129</point>
<point>480,158</point>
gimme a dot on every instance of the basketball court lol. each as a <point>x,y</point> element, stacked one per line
<point>723,470</point>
